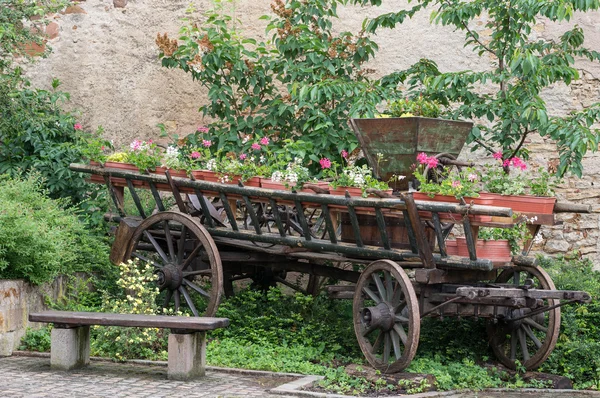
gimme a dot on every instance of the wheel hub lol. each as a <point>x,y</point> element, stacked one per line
<point>381,316</point>
<point>169,277</point>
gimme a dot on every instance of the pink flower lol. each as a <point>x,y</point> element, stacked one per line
<point>206,143</point>
<point>455,184</point>
<point>517,162</point>
<point>149,141</point>
<point>472,177</point>
<point>344,154</point>
<point>264,140</point>
<point>506,163</point>
<point>325,163</point>
<point>497,155</point>
<point>195,155</point>
<point>422,158</point>
<point>77,126</point>
<point>103,148</point>
<point>202,129</point>
<point>432,162</point>
<point>136,145</point>
<point>255,146</point>
<point>243,156</point>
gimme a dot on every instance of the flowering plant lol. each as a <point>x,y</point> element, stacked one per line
<point>435,179</point>
<point>145,155</point>
<point>95,148</point>
<point>293,175</point>
<point>351,175</point>
<point>174,159</point>
<point>509,177</point>
<point>515,235</point>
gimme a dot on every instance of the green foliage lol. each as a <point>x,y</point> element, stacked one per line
<point>41,238</point>
<point>37,135</point>
<point>304,81</point>
<point>577,352</point>
<point>515,235</point>
<point>413,107</point>
<point>36,340</point>
<point>515,182</point>
<point>523,66</point>
<point>136,294</point>
<point>275,318</point>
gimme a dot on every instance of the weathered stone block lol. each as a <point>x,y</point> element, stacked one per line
<point>52,30</point>
<point>119,3</point>
<point>7,343</point>
<point>556,246</point>
<point>187,356</point>
<point>70,348</point>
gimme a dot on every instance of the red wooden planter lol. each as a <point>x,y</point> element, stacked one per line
<point>172,173</point>
<point>121,182</point>
<point>496,250</point>
<point>521,203</point>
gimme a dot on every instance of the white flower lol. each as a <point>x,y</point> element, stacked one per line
<point>262,159</point>
<point>277,176</point>
<point>291,177</point>
<point>211,164</point>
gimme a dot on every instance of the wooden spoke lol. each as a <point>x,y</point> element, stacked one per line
<point>157,247</point>
<point>186,263</point>
<point>188,300</point>
<point>388,348</point>
<point>536,335</point>
<point>400,331</point>
<point>185,239</point>
<point>177,301</point>
<point>388,286</point>
<point>523,344</point>
<point>530,334</point>
<point>534,324</point>
<point>181,244</point>
<point>196,288</point>
<point>169,239</point>
<point>380,287</point>
<point>396,345</point>
<point>143,258</point>
<point>204,272</point>
<point>371,295</point>
<point>168,296</point>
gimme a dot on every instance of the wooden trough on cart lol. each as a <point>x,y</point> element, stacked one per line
<point>221,233</point>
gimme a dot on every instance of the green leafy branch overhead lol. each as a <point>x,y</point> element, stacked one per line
<point>507,98</point>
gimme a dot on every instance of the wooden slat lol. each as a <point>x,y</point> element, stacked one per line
<point>128,320</point>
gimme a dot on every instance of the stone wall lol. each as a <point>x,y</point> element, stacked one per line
<point>17,300</point>
<point>104,53</point>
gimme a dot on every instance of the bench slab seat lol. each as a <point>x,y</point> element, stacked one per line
<point>70,345</point>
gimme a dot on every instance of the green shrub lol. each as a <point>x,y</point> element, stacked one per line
<point>41,238</point>
<point>36,340</point>
<point>577,352</point>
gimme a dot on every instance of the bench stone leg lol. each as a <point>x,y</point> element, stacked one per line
<point>187,356</point>
<point>70,348</point>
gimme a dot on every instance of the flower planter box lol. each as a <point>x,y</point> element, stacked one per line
<point>496,250</point>
<point>451,199</point>
<point>121,182</point>
<point>173,173</point>
<point>371,235</point>
<point>95,178</point>
<point>521,203</point>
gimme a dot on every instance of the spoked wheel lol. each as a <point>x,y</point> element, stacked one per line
<point>386,316</point>
<point>529,339</point>
<point>185,260</point>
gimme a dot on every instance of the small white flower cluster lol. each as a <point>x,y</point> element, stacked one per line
<point>531,220</point>
<point>171,158</point>
<point>357,175</point>
<point>211,165</point>
<point>292,173</point>
<point>539,239</point>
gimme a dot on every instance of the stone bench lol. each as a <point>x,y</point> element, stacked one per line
<point>70,344</point>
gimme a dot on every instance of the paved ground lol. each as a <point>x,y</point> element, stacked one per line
<point>32,377</point>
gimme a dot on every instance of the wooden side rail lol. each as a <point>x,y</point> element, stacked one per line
<point>70,345</point>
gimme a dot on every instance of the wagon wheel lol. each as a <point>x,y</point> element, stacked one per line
<point>185,260</point>
<point>386,316</point>
<point>529,340</point>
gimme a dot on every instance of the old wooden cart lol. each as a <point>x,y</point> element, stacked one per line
<point>220,233</point>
